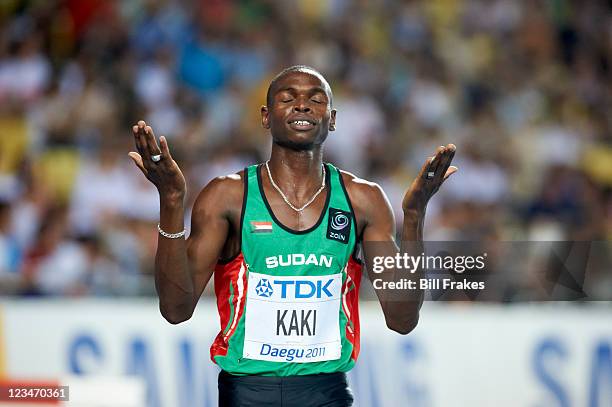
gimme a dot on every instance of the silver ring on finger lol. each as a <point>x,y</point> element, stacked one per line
<point>156,158</point>
<point>430,174</point>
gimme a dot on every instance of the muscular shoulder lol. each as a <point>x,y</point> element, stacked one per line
<point>367,197</point>
<point>360,189</point>
<point>222,195</point>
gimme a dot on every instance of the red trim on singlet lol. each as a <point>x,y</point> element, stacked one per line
<point>350,303</point>
<point>233,273</point>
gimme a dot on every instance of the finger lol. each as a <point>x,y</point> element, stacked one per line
<point>136,133</point>
<point>151,141</point>
<point>425,168</point>
<point>165,150</point>
<point>445,163</point>
<point>451,170</point>
<point>138,161</point>
<point>434,164</point>
<point>141,142</point>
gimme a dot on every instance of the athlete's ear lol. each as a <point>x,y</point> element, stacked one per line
<point>332,120</point>
<point>265,117</point>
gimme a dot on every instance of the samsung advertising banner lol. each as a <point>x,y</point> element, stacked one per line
<point>482,355</point>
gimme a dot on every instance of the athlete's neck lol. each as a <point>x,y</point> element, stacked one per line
<point>297,173</point>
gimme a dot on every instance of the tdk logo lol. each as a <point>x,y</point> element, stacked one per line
<point>296,288</point>
<point>263,288</point>
<point>339,225</point>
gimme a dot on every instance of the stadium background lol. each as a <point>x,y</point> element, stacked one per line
<point>523,88</point>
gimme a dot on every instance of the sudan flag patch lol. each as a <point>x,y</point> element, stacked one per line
<point>261,227</point>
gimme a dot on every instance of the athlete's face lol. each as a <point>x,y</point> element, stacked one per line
<point>300,114</point>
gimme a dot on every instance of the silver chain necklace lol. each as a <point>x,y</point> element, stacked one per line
<point>285,197</point>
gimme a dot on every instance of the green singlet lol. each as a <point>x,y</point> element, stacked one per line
<point>288,302</point>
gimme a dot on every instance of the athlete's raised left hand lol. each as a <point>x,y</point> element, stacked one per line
<point>434,172</point>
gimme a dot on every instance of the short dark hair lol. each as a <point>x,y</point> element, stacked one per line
<point>298,68</point>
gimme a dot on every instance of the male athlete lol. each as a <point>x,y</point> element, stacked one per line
<point>281,239</point>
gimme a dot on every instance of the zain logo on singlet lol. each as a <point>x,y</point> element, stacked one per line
<point>339,221</point>
<point>263,288</point>
<point>339,225</point>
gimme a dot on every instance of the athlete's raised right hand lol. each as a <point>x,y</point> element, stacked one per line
<point>165,174</point>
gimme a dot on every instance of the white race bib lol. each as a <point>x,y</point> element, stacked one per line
<point>293,318</point>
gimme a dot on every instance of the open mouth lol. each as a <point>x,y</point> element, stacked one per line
<point>301,124</point>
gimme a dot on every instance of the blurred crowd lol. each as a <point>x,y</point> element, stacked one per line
<point>523,88</point>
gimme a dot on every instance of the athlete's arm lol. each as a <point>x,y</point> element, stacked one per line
<point>377,222</point>
<point>183,267</point>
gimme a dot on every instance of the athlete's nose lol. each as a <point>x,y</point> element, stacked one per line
<point>301,106</point>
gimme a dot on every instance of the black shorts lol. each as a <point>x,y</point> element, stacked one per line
<point>320,390</point>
